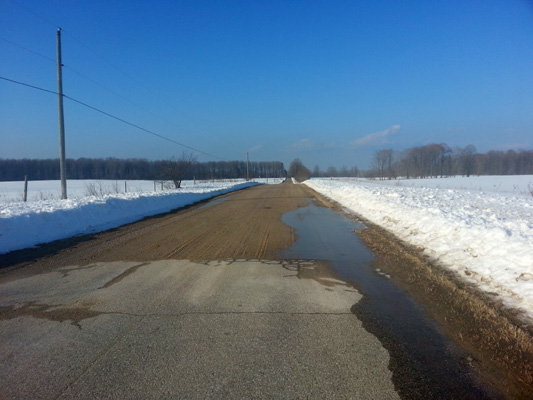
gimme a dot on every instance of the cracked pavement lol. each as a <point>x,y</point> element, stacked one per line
<point>126,314</point>
<point>183,329</point>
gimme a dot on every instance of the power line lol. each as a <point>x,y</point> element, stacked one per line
<point>109,90</point>
<point>122,97</point>
<point>79,42</point>
<point>104,87</point>
<point>141,128</point>
<point>96,82</point>
<point>130,77</point>
<point>87,78</point>
<point>28,85</point>
<point>71,69</point>
<point>114,117</point>
<point>139,83</point>
<point>37,15</point>
<point>30,50</point>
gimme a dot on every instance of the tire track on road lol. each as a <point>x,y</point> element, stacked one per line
<point>246,225</point>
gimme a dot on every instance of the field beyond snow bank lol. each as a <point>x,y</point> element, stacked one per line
<point>24,225</point>
<point>485,236</point>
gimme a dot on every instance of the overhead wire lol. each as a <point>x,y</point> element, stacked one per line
<point>85,77</point>
<point>141,128</point>
<point>27,49</point>
<point>92,80</point>
<point>28,85</point>
<point>34,13</point>
<point>114,117</point>
<point>74,38</point>
<point>97,54</point>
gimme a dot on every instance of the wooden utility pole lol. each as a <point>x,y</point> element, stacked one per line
<point>25,188</point>
<point>62,161</point>
<point>247,167</point>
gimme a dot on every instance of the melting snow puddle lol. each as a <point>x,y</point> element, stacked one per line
<point>215,202</point>
<point>425,364</point>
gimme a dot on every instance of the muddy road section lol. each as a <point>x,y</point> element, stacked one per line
<point>246,224</point>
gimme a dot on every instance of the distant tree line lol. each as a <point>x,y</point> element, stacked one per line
<point>133,168</point>
<point>236,169</point>
<point>343,172</point>
<point>434,160</point>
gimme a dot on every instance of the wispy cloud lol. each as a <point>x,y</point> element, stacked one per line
<point>306,144</point>
<point>375,138</point>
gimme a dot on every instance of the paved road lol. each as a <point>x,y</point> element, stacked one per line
<point>126,314</point>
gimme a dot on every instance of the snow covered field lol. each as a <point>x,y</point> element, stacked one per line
<point>479,227</point>
<point>50,190</point>
<point>27,224</point>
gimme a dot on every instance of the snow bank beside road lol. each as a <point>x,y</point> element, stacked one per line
<point>487,238</point>
<point>25,225</point>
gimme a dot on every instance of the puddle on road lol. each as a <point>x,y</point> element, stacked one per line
<point>425,365</point>
<point>215,202</point>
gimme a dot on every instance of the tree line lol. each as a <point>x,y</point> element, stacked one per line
<point>434,160</point>
<point>134,169</point>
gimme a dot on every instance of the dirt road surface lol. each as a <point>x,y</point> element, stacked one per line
<point>246,224</point>
<point>193,304</point>
<point>201,303</point>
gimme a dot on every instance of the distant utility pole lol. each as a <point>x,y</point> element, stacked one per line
<point>247,167</point>
<point>62,162</point>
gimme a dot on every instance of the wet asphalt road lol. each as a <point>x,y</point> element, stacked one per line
<point>179,329</point>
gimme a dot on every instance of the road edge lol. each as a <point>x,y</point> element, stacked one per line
<point>499,343</point>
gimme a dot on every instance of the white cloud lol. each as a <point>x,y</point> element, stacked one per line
<point>375,138</point>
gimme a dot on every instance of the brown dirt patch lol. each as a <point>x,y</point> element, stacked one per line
<point>229,230</point>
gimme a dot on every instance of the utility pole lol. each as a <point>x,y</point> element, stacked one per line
<point>62,161</point>
<point>247,167</point>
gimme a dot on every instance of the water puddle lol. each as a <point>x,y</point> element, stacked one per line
<point>424,363</point>
<point>215,202</point>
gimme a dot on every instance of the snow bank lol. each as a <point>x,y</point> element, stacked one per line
<point>25,225</point>
<point>13,192</point>
<point>485,235</point>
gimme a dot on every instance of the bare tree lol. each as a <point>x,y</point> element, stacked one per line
<point>332,172</point>
<point>383,159</point>
<point>174,169</point>
<point>299,171</point>
<point>467,159</point>
<point>445,160</point>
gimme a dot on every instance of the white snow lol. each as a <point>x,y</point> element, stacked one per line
<point>26,224</point>
<point>479,227</point>
<point>49,190</point>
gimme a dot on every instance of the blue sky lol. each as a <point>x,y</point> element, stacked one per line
<point>329,82</point>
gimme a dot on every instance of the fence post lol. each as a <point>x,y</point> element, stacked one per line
<point>25,188</point>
